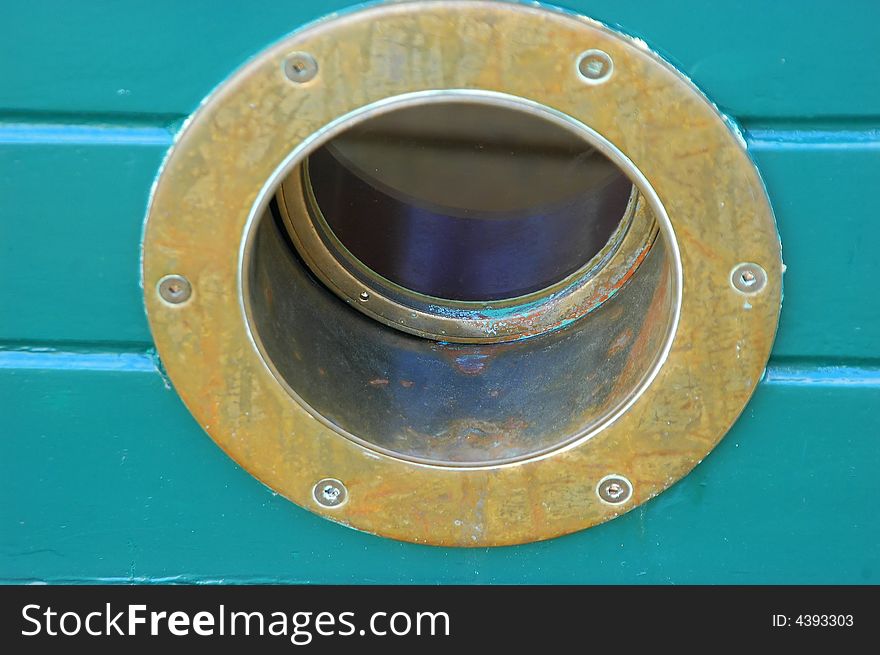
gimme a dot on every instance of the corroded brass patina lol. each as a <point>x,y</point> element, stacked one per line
<point>677,382</point>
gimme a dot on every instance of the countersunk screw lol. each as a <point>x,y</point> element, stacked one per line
<point>330,492</point>
<point>300,67</point>
<point>595,66</point>
<point>175,289</point>
<point>748,278</point>
<point>614,489</point>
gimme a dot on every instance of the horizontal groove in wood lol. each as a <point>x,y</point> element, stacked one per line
<point>84,134</point>
<point>130,129</point>
<point>21,357</point>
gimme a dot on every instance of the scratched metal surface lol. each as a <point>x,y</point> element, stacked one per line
<point>105,476</point>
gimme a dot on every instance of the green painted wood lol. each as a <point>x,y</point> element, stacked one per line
<point>72,217</point>
<point>73,214</point>
<point>820,189</point>
<point>112,480</point>
<point>765,60</point>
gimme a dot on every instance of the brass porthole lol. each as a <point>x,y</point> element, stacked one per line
<point>461,272</point>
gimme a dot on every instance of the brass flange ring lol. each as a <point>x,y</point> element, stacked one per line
<point>675,389</point>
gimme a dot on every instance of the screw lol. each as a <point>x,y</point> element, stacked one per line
<point>300,67</point>
<point>595,66</point>
<point>614,489</point>
<point>364,296</point>
<point>330,492</point>
<point>175,289</point>
<point>748,278</point>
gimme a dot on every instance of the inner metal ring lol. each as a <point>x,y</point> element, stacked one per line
<point>444,319</point>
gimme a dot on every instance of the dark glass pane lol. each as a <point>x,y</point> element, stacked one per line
<point>468,202</point>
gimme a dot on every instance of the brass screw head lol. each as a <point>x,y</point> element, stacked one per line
<point>300,67</point>
<point>330,492</point>
<point>175,289</point>
<point>614,489</point>
<point>595,66</point>
<point>748,278</point>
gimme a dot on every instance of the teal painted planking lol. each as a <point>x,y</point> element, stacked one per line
<point>161,57</point>
<point>69,252</point>
<point>113,480</point>
<point>70,257</point>
<point>818,189</point>
<point>105,476</point>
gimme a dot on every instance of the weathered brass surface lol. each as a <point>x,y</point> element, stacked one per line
<point>692,167</point>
